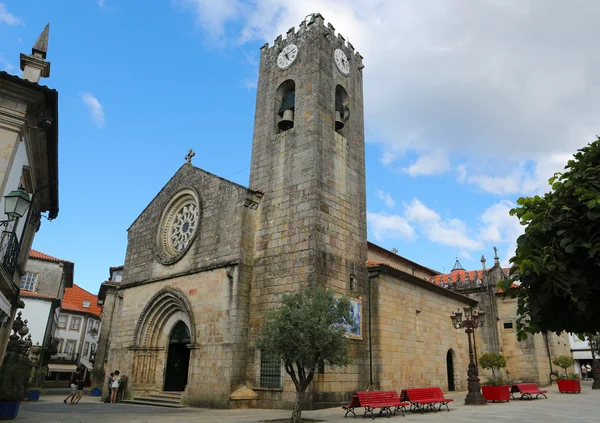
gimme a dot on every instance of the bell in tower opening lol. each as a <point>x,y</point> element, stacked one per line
<point>342,111</point>
<point>286,104</point>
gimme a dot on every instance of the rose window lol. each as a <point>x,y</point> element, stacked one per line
<point>183,227</point>
<point>179,225</point>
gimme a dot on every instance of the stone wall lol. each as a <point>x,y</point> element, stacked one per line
<point>49,280</point>
<point>219,336</point>
<point>311,228</point>
<point>218,242</point>
<point>413,334</point>
<point>381,255</point>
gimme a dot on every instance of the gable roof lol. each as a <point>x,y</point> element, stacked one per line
<point>31,294</point>
<point>38,255</point>
<point>74,298</point>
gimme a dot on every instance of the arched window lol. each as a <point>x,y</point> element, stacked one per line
<point>342,111</point>
<point>285,106</point>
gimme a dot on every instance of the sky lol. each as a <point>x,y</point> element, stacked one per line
<point>469,105</point>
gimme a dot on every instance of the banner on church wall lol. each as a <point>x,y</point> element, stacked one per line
<point>355,332</point>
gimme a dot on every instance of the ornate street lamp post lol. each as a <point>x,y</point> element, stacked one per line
<point>473,319</point>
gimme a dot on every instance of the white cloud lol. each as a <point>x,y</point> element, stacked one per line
<point>384,226</point>
<point>511,81</point>
<point>95,109</point>
<point>449,232</point>
<point>100,3</point>
<point>386,198</point>
<point>429,164</point>
<point>7,17</point>
<point>495,227</point>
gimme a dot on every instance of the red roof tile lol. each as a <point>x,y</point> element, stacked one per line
<point>74,298</point>
<point>42,256</point>
<point>453,276</point>
<point>25,293</point>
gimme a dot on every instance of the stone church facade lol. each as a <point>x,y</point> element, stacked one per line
<point>208,258</point>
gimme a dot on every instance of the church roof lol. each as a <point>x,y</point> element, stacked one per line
<point>461,274</point>
<point>423,283</point>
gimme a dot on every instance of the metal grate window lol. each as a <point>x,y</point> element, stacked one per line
<point>28,281</point>
<point>270,371</point>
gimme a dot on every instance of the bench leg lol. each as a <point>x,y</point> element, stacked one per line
<point>541,394</point>
<point>350,410</point>
<point>369,410</point>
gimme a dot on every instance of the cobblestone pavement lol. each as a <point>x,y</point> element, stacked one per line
<point>558,408</point>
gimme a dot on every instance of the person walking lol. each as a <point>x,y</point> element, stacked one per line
<point>114,387</point>
<point>80,383</point>
<point>73,386</point>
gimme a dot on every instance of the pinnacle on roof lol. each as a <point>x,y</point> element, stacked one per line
<point>457,265</point>
<point>40,48</point>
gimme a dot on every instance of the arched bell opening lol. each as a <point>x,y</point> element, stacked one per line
<point>178,358</point>
<point>285,106</point>
<point>450,370</point>
<point>342,110</point>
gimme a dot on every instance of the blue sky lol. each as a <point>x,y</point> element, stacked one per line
<point>468,105</point>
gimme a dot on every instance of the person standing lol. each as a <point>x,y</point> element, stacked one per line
<point>583,372</point>
<point>589,371</point>
<point>114,387</point>
<point>109,387</point>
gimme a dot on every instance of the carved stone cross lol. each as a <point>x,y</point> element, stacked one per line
<point>189,156</point>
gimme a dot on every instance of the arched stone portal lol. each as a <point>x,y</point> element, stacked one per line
<point>167,319</point>
<point>450,369</point>
<point>178,358</point>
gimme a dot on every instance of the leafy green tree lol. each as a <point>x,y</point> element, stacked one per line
<point>564,362</point>
<point>492,361</point>
<point>558,256</point>
<point>309,327</point>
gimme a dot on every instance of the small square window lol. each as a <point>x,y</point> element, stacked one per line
<point>508,325</point>
<point>28,281</point>
<point>86,304</point>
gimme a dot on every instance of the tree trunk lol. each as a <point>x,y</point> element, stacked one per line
<point>297,413</point>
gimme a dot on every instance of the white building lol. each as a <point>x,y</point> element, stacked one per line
<point>78,328</point>
<point>582,352</point>
<point>42,288</point>
<point>28,168</point>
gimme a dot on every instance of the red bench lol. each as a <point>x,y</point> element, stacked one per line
<point>354,403</point>
<point>384,400</point>
<point>527,390</point>
<point>422,399</point>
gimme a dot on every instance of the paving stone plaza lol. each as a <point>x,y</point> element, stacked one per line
<point>557,408</point>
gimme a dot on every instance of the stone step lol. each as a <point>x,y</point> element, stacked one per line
<point>153,403</point>
<point>157,397</point>
<point>174,394</point>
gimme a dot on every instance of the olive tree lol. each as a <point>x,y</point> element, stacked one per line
<point>564,362</point>
<point>493,362</point>
<point>308,328</point>
<point>557,258</point>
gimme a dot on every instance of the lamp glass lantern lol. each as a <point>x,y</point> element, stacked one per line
<point>467,312</point>
<point>16,203</point>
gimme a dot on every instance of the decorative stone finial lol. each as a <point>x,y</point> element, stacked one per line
<point>40,48</point>
<point>190,155</point>
<point>34,65</point>
<point>483,262</point>
<point>496,258</point>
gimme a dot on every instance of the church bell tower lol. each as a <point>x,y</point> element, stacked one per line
<point>308,157</point>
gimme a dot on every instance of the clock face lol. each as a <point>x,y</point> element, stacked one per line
<point>287,56</point>
<point>341,61</point>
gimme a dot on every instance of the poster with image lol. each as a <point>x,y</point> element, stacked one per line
<point>355,332</point>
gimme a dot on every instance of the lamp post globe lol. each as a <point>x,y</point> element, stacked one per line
<point>16,203</point>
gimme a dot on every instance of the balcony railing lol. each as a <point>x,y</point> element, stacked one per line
<point>65,358</point>
<point>9,252</point>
